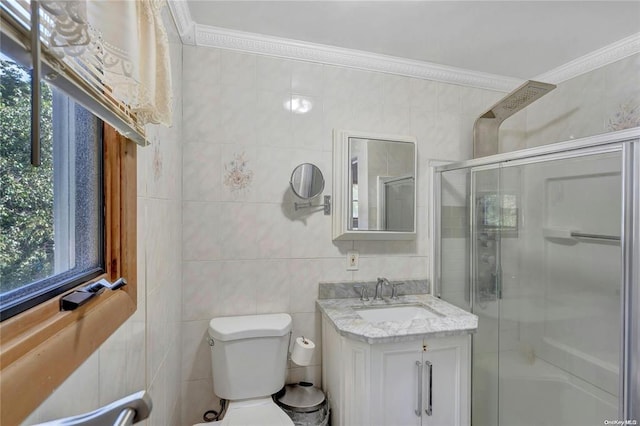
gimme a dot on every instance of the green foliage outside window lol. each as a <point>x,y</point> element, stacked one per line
<point>26,192</point>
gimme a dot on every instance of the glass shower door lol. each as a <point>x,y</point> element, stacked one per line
<point>532,247</point>
<point>468,271</point>
<point>560,264</point>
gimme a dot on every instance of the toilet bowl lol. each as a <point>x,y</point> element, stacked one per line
<point>262,411</point>
<point>249,360</point>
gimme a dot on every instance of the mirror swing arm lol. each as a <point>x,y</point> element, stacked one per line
<point>326,206</point>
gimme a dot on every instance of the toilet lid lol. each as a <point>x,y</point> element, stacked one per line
<point>263,412</point>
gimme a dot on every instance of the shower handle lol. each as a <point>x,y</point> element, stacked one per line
<point>499,283</point>
<point>419,410</point>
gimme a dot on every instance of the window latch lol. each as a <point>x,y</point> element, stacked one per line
<point>71,301</point>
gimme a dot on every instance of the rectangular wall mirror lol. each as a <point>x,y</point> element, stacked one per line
<point>374,186</point>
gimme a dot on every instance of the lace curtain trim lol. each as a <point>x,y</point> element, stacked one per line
<point>124,43</point>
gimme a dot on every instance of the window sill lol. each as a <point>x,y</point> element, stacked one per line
<point>40,350</point>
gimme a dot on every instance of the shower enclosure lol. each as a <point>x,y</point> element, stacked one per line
<point>543,245</point>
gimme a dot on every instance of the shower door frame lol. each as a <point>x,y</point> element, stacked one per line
<point>626,141</point>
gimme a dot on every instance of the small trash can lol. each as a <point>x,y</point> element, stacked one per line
<point>305,404</point>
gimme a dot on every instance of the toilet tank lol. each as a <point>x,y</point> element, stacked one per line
<point>249,355</point>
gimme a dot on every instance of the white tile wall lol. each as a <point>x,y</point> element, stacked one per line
<point>163,266</point>
<point>78,394</point>
<point>248,251</point>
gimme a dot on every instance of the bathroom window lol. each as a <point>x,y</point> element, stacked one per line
<point>51,215</point>
<point>499,212</point>
<point>65,224</point>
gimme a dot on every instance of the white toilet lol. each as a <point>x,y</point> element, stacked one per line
<point>249,361</point>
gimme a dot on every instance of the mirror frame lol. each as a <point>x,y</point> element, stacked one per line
<point>341,166</point>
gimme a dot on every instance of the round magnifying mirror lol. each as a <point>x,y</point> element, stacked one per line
<point>307,181</point>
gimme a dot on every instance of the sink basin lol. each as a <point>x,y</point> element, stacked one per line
<point>396,313</point>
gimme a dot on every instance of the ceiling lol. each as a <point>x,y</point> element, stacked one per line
<point>519,39</point>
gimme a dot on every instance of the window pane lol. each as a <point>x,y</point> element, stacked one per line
<point>26,243</point>
<point>51,216</point>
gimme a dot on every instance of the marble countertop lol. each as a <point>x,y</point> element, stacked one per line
<point>344,317</point>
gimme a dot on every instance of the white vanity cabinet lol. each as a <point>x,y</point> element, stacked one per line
<point>417,382</point>
<point>423,382</point>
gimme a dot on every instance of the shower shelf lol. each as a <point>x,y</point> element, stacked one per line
<point>567,234</point>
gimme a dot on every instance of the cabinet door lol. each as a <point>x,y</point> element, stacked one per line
<point>395,370</point>
<point>443,384</point>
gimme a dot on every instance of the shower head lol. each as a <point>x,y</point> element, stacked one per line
<point>518,99</point>
<point>485,130</point>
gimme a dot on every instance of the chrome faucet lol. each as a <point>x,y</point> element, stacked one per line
<point>378,295</point>
<point>364,297</point>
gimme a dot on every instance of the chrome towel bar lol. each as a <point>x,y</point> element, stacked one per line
<point>567,234</point>
<point>595,236</point>
<point>123,412</point>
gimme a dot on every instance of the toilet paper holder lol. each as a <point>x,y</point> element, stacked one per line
<point>302,351</point>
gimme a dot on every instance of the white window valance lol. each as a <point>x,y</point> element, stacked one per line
<point>126,42</point>
<point>119,49</point>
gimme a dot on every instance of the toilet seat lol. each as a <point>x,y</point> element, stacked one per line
<point>255,412</point>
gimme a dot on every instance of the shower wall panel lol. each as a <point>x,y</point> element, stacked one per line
<point>581,281</point>
<point>454,241</point>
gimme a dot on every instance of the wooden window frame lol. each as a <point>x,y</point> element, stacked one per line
<point>42,346</point>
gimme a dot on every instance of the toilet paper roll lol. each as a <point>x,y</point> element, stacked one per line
<point>302,351</point>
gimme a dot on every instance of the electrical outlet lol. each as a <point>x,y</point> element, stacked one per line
<point>352,260</point>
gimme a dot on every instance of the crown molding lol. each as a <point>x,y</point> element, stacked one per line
<point>182,18</point>
<point>594,60</point>
<point>292,49</point>
<point>209,36</point>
